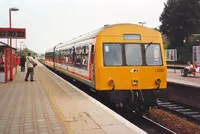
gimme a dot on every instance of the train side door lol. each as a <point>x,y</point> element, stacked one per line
<point>93,64</point>
<point>73,59</point>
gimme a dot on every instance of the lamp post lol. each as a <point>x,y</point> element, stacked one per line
<point>142,23</point>
<point>11,63</point>
<point>24,46</point>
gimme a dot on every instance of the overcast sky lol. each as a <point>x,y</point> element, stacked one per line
<point>49,22</point>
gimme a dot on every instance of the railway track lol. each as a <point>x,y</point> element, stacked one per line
<point>153,127</point>
<point>146,124</point>
<point>188,112</point>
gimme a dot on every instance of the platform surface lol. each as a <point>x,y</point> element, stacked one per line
<point>174,76</point>
<point>52,105</point>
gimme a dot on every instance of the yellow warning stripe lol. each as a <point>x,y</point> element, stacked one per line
<point>67,126</point>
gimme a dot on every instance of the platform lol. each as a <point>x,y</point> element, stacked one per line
<point>52,105</point>
<point>174,76</point>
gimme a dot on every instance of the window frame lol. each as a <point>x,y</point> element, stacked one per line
<point>104,55</point>
<point>160,54</point>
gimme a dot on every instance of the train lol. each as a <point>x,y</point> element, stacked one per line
<point>125,62</point>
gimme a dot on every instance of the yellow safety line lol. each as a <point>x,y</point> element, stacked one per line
<point>67,126</point>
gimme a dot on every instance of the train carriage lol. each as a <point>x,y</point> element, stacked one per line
<point>125,61</point>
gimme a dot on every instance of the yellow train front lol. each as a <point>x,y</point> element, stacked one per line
<point>125,61</point>
<point>130,63</point>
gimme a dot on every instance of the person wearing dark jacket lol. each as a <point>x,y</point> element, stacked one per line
<point>22,63</point>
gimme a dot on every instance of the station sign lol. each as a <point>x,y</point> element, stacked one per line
<point>16,33</point>
<point>171,54</point>
<point>196,55</point>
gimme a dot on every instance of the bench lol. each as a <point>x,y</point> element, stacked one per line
<point>190,72</point>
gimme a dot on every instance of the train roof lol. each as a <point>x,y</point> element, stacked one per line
<point>90,35</point>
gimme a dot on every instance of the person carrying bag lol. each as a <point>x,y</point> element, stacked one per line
<point>30,67</point>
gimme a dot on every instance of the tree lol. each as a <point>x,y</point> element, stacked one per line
<point>26,51</point>
<point>180,18</point>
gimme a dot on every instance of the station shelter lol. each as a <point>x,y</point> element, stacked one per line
<point>5,62</point>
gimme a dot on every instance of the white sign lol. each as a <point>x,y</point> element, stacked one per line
<point>196,54</point>
<point>171,54</point>
<point>106,48</point>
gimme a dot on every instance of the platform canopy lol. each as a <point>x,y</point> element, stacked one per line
<point>3,45</point>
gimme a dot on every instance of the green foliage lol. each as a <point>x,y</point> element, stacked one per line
<point>180,19</point>
<point>26,51</point>
<point>184,54</point>
<point>166,47</point>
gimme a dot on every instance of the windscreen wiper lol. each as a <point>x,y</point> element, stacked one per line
<point>148,46</point>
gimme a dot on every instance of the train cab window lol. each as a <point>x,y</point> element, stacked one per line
<point>153,54</point>
<point>112,54</point>
<point>133,54</point>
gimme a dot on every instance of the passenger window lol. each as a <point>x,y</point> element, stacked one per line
<point>112,55</point>
<point>133,54</point>
<point>82,57</point>
<point>68,57</point>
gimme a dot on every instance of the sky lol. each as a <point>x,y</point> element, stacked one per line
<point>50,22</point>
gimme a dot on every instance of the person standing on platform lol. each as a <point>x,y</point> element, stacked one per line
<point>30,66</point>
<point>22,63</point>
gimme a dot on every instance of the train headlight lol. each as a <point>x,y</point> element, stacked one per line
<point>135,82</point>
<point>110,82</point>
<point>158,81</point>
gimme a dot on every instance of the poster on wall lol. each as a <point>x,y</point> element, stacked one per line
<point>196,54</point>
<point>171,54</point>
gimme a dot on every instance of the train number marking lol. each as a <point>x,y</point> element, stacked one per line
<point>159,70</point>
